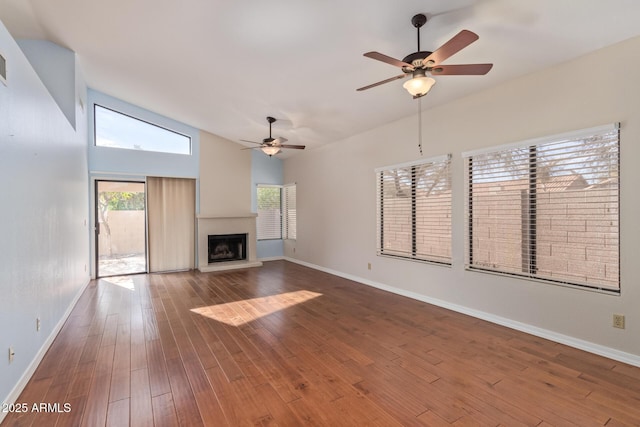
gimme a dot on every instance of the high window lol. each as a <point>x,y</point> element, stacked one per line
<point>547,208</point>
<point>414,210</point>
<point>117,130</point>
<point>269,221</point>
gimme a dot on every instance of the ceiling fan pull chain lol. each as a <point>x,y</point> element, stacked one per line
<point>420,124</point>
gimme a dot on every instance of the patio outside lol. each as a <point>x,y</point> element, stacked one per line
<point>121,221</point>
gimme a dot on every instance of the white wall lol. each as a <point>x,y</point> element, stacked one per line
<point>43,221</point>
<point>336,198</point>
<point>55,66</point>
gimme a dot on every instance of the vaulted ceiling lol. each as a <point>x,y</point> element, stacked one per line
<point>223,66</point>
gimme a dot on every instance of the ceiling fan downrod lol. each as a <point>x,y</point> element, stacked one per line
<point>270,120</point>
<point>418,21</point>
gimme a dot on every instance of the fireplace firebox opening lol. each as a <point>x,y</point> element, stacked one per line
<point>227,247</point>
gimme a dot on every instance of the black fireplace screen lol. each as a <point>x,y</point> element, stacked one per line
<point>227,247</point>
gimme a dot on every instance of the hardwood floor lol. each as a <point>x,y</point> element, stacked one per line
<point>287,345</point>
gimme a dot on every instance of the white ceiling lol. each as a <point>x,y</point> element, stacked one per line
<point>223,66</point>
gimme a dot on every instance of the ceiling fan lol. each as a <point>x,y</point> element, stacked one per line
<point>271,146</point>
<point>419,63</point>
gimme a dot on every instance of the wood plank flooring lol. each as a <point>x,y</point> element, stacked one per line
<point>287,345</point>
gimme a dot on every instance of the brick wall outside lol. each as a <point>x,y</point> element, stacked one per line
<point>431,213</point>
<point>576,231</point>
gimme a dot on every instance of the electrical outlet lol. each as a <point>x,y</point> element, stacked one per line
<point>11,354</point>
<point>618,321</point>
<point>368,266</point>
<point>37,324</point>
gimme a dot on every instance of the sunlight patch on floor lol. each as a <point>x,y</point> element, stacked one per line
<point>122,281</point>
<point>238,313</point>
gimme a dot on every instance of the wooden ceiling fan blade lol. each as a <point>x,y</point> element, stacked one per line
<point>458,42</point>
<point>387,59</point>
<point>252,142</point>
<point>382,82</point>
<point>251,148</point>
<point>461,70</point>
<point>297,147</point>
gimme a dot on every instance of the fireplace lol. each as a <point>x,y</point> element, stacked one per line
<point>242,225</point>
<point>227,247</point>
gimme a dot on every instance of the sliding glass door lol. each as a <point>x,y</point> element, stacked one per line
<point>121,244</point>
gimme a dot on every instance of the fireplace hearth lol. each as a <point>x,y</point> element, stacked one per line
<point>227,247</point>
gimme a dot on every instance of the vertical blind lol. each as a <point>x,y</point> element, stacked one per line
<point>547,208</point>
<point>269,223</point>
<point>171,204</point>
<point>289,212</point>
<point>414,210</point>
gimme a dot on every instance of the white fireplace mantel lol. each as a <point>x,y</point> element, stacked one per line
<point>213,216</point>
<point>226,224</point>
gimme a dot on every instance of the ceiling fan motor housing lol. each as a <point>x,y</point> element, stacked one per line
<point>415,59</point>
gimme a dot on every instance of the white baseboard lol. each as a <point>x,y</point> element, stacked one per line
<point>26,376</point>
<point>611,353</point>
<point>272,258</point>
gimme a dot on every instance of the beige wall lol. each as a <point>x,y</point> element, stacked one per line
<point>225,177</point>
<point>337,207</point>
<point>127,234</point>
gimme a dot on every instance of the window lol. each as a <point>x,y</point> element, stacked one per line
<point>414,210</point>
<point>117,130</point>
<point>547,209</point>
<point>269,223</point>
<point>289,212</point>
<point>3,69</point>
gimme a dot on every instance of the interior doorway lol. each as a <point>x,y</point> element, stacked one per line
<point>121,242</point>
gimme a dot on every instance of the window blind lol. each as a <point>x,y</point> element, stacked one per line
<point>414,210</point>
<point>547,209</point>
<point>269,222</point>
<point>289,212</point>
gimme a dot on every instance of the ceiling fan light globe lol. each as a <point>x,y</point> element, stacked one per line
<point>270,151</point>
<point>419,86</point>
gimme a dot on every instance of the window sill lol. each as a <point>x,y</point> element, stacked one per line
<point>589,288</point>
<point>421,261</point>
